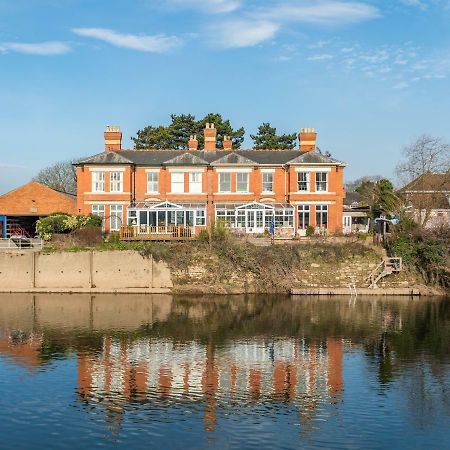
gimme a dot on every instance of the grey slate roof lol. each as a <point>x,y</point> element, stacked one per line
<point>187,159</point>
<point>201,157</point>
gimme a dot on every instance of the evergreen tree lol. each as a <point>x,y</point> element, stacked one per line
<point>176,135</point>
<point>267,138</point>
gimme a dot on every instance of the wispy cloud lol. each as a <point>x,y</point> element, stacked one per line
<point>402,65</point>
<point>158,43</point>
<point>321,57</point>
<point>243,33</point>
<point>207,6</point>
<point>37,48</point>
<point>327,12</point>
<point>255,25</point>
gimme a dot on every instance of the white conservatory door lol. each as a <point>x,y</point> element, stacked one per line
<point>254,221</point>
<point>347,224</point>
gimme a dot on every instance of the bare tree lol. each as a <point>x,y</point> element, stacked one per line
<point>61,176</point>
<point>425,158</point>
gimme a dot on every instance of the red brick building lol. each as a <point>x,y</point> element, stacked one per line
<point>245,188</point>
<point>25,205</point>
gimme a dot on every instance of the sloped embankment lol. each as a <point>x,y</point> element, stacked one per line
<point>235,266</point>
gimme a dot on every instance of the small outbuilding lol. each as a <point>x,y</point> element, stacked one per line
<point>21,208</point>
<point>356,215</point>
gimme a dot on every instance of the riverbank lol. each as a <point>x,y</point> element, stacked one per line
<point>196,268</point>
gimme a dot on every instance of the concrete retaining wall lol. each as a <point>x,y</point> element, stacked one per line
<point>121,271</point>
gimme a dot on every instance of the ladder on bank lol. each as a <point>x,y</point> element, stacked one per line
<point>388,266</point>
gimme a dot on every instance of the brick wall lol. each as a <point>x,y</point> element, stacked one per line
<point>35,199</point>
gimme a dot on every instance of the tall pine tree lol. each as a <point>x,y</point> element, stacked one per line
<point>176,134</point>
<point>267,138</point>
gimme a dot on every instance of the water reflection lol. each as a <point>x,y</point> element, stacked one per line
<point>220,356</point>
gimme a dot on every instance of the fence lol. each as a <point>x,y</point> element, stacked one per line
<point>21,243</point>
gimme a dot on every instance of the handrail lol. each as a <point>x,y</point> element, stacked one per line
<point>173,231</point>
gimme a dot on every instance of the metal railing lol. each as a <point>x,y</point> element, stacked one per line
<point>21,243</point>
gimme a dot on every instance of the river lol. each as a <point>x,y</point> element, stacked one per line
<point>243,372</point>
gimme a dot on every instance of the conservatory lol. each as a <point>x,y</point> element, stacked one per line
<point>257,217</point>
<point>164,220</point>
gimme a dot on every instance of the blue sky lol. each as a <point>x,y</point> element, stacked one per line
<point>369,75</point>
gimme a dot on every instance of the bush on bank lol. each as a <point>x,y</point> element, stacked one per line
<point>424,250</point>
<point>61,223</point>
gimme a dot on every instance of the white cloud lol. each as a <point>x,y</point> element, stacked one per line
<point>399,64</point>
<point>327,12</point>
<point>158,43</point>
<point>39,48</point>
<point>416,3</point>
<point>322,57</point>
<point>208,6</point>
<point>257,25</point>
<point>244,33</point>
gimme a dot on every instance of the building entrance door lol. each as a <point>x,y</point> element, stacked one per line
<point>255,221</point>
<point>347,224</point>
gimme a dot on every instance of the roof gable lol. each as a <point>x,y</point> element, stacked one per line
<point>106,158</point>
<point>234,158</point>
<point>186,159</point>
<point>438,182</point>
<point>313,158</point>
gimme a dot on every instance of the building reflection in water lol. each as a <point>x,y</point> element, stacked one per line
<point>248,372</point>
<point>134,351</point>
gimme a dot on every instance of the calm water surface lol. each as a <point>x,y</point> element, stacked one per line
<point>158,372</point>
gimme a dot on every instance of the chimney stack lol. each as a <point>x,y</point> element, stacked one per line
<point>307,138</point>
<point>113,138</point>
<point>193,142</point>
<point>210,137</point>
<point>227,143</point>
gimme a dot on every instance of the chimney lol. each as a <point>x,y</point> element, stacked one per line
<point>193,142</point>
<point>113,138</point>
<point>307,138</point>
<point>227,143</point>
<point>210,137</point>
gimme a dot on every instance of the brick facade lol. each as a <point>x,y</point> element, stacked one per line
<point>132,167</point>
<point>35,199</point>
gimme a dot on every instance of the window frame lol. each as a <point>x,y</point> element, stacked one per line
<point>241,182</point>
<point>198,184</point>
<point>98,181</point>
<point>223,175</point>
<point>173,183</point>
<point>321,212</point>
<point>307,181</point>
<point>116,183</point>
<point>320,182</point>
<point>265,182</point>
<point>303,211</point>
<point>115,216</point>
<point>153,182</point>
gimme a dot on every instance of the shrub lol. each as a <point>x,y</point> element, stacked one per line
<point>114,238</point>
<point>64,223</point>
<point>203,236</point>
<point>310,230</point>
<point>220,230</point>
